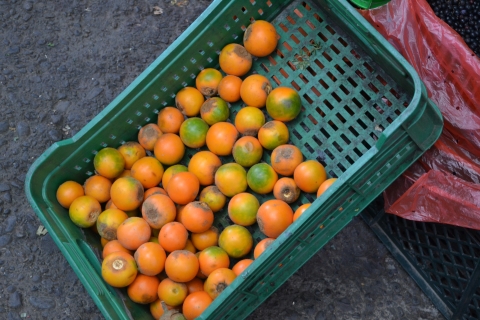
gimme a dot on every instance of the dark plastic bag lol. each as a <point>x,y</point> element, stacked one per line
<point>443,186</point>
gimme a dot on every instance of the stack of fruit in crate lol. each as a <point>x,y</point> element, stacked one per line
<point>171,255</point>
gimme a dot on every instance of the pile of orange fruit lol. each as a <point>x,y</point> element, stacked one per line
<point>155,216</point>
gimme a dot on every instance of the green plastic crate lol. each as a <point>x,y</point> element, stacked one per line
<point>369,4</point>
<point>366,117</point>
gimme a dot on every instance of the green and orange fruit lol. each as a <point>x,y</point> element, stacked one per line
<point>283,104</point>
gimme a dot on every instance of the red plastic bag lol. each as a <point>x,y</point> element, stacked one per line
<point>443,186</point>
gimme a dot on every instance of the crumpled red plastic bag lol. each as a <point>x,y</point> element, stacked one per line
<point>451,73</point>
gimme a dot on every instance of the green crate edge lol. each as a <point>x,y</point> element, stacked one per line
<point>74,258</point>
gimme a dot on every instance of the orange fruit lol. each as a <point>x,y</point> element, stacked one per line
<point>183,187</point>
<point>249,120</point>
<point>285,159</point>
<point>260,39</point>
<point>113,246</point>
<point>148,136</point>
<point>205,239</point>
<point>203,165</point>
<point>173,236</point>
<point>84,211</point>
<point>109,163</point>
<point>213,258</point>
<point>229,88</point>
<point>235,60</point>
<point>170,172</point>
<point>236,240</point>
<point>98,187</point>
<point>169,149</point>
<point>127,193</point>
<point>190,247</point>
<point>325,185</point>
<point>156,308</point>
<point>286,190</point>
<point>283,104</point>
<point>212,196</point>
<point>125,173</point>
<point>150,258</point>
<point>254,90</point>
<point>194,285</point>
<point>169,120</point>
<point>217,281</point>
<point>207,81</point>
<point>189,101</point>
<point>119,269</point>
<point>69,191</point>
<point>231,179</point>
<point>131,152</point>
<point>195,303</point>
<point>273,134</point>
<point>193,132</point>
<point>309,175</point>
<point>241,265</point>
<point>214,110</point>
<point>247,151</point>
<point>242,209</point>
<point>144,289</point>
<point>261,246</point>
<point>133,232</point>
<point>261,178</point>
<point>221,137</point>
<point>103,241</point>
<point>273,217</point>
<point>155,190</point>
<point>148,171</point>
<point>197,217</point>
<point>300,210</point>
<point>108,222</point>
<point>181,266</point>
<point>171,292</point>
<point>158,210</point>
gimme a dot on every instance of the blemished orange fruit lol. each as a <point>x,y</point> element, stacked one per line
<point>119,269</point>
<point>204,164</point>
<point>286,158</point>
<point>217,281</point>
<point>112,246</point>
<point>249,120</point>
<point>109,163</point>
<point>69,191</point>
<point>173,236</point>
<point>242,209</point>
<point>214,110</point>
<point>148,171</point>
<point>231,179</point>
<point>286,190</point>
<point>261,178</point>
<point>254,90</point>
<point>194,285</point>
<point>170,172</point>
<point>197,217</point>
<point>213,197</point>
<point>156,308</point>
<point>229,88</point>
<point>183,187</point>
<point>170,119</point>
<point>98,187</point>
<point>193,132</point>
<point>189,101</point>
<point>127,193</point>
<point>301,210</point>
<point>171,292</point>
<point>108,222</point>
<point>273,217</point>
<point>169,149</point>
<point>309,175</point>
<point>273,134</point>
<point>221,137</point>
<point>133,232</point>
<point>260,39</point>
<point>158,210</point>
<point>247,151</point>
<point>325,185</point>
<point>131,152</point>
<point>283,104</point>
<point>207,81</point>
<point>235,60</point>
<point>261,246</point>
<point>148,136</point>
<point>84,211</point>
<point>195,303</point>
<point>241,265</point>
<point>205,239</point>
<point>155,190</point>
<point>213,258</point>
<point>144,289</point>
<point>236,240</point>
<point>181,266</point>
<point>150,258</point>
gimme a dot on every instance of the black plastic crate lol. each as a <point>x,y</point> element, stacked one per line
<point>443,260</point>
